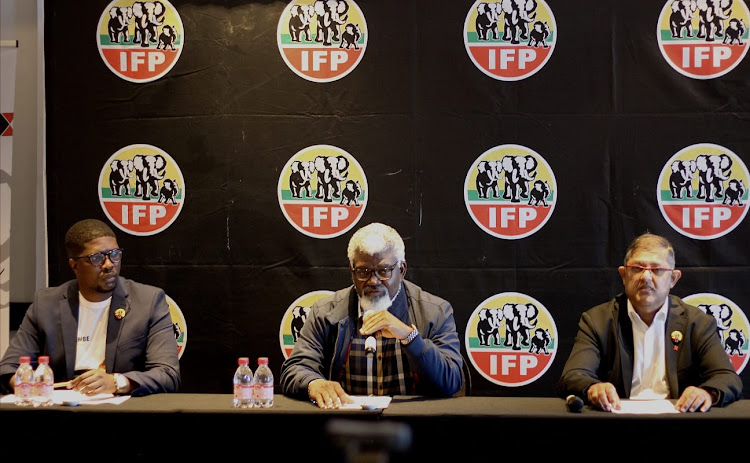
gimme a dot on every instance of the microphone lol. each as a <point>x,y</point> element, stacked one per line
<point>574,403</point>
<point>370,346</point>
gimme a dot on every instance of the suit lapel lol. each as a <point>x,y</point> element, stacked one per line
<point>625,344</point>
<point>676,323</point>
<point>68,310</point>
<point>118,311</point>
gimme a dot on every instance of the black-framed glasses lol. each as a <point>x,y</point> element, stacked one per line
<point>97,259</point>
<point>656,271</point>
<point>383,274</point>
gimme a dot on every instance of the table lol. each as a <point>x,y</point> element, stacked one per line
<point>178,426</point>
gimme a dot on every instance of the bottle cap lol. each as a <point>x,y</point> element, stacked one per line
<point>243,361</point>
<point>25,359</point>
<point>262,360</point>
<point>44,359</point>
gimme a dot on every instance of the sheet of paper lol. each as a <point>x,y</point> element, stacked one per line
<point>65,395</point>
<point>376,401</point>
<point>646,407</point>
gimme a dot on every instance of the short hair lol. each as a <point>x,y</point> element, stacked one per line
<point>649,241</point>
<point>376,238</point>
<point>84,231</point>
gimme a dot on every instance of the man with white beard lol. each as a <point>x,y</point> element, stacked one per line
<point>415,337</point>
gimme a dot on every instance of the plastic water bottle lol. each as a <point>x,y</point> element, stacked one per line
<point>23,382</point>
<point>44,383</point>
<point>243,384</point>
<point>263,384</point>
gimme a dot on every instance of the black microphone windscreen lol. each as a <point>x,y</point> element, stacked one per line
<point>574,403</point>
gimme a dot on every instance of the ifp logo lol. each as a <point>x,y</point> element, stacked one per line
<point>141,189</point>
<point>510,191</point>
<point>179,326</point>
<point>703,39</point>
<point>323,191</point>
<point>702,191</point>
<point>731,323</point>
<point>140,41</point>
<point>510,40</point>
<point>296,316</point>
<point>511,339</point>
<point>322,41</point>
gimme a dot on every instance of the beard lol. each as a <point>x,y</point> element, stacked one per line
<point>377,303</point>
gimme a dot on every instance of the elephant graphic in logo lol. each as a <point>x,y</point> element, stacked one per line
<point>299,22</point>
<point>148,16</point>
<point>299,179</point>
<point>517,15</point>
<point>539,193</point>
<point>488,327</point>
<point>331,14</point>
<point>488,172</point>
<point>518,171</point>
<point>540,341</point>
<point>735,341</point>
<point>734,193</point>
<point>168,192</point>
<point>520,319</point>
<point>722,313</point>
<point>120,17</point>
<point>119,178</point>
<point>712,171</point>
<point>538,35</point>
<point>350,36</point>
<point>683,172</point>
<point>299,317</point>
<point>488,14</point>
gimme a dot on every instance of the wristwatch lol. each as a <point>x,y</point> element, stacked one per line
<point>121,382</point>
<point>414,333</point>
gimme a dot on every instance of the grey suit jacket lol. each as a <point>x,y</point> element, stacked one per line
<point>603,352</point>
<point>141,345</point>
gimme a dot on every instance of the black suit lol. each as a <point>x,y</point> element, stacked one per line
<point>603,352</point>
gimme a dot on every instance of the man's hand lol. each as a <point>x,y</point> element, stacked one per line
<point>328,394</point>
<point>94,381</point>
<point>385,322</point>
<point>694,399</point>
<point>604,396</point>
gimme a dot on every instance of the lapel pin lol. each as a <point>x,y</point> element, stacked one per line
<point>676,339</point>
<point>120,314</point>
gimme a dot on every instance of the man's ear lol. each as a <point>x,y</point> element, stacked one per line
<point>73,264</point>
<point>675,277</point>
<point>403,269</point>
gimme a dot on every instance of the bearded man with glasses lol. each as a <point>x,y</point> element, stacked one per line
<point>103,333</point>
<point>649,344</point>
<point>412,333</point>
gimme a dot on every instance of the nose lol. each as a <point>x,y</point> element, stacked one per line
<point>375,276</point>
<point>107,259</point>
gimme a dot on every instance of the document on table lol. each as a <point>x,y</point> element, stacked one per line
<point>65,396</point>
<point>651,407</point>
<point>377,402</point>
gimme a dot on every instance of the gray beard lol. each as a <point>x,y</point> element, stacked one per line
<point>378,303</point>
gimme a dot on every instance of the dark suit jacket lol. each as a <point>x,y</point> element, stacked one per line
<point>603,352</point>
<point>141,345</point>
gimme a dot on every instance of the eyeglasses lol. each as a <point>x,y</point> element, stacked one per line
<point>97,259</point>
<point>383,274</point>
<point>656,271</point>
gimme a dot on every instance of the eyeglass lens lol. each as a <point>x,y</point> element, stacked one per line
<point>115,255</point>
<point>383,274</point>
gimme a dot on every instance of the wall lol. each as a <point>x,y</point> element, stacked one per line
<point>606,113</point>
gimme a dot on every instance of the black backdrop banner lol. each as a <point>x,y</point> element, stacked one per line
<point>412,117</point>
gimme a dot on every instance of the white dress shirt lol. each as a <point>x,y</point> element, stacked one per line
<point>649,368</point>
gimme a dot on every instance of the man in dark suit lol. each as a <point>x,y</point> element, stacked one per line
<point>103,333</point>
<point>649,344</point>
